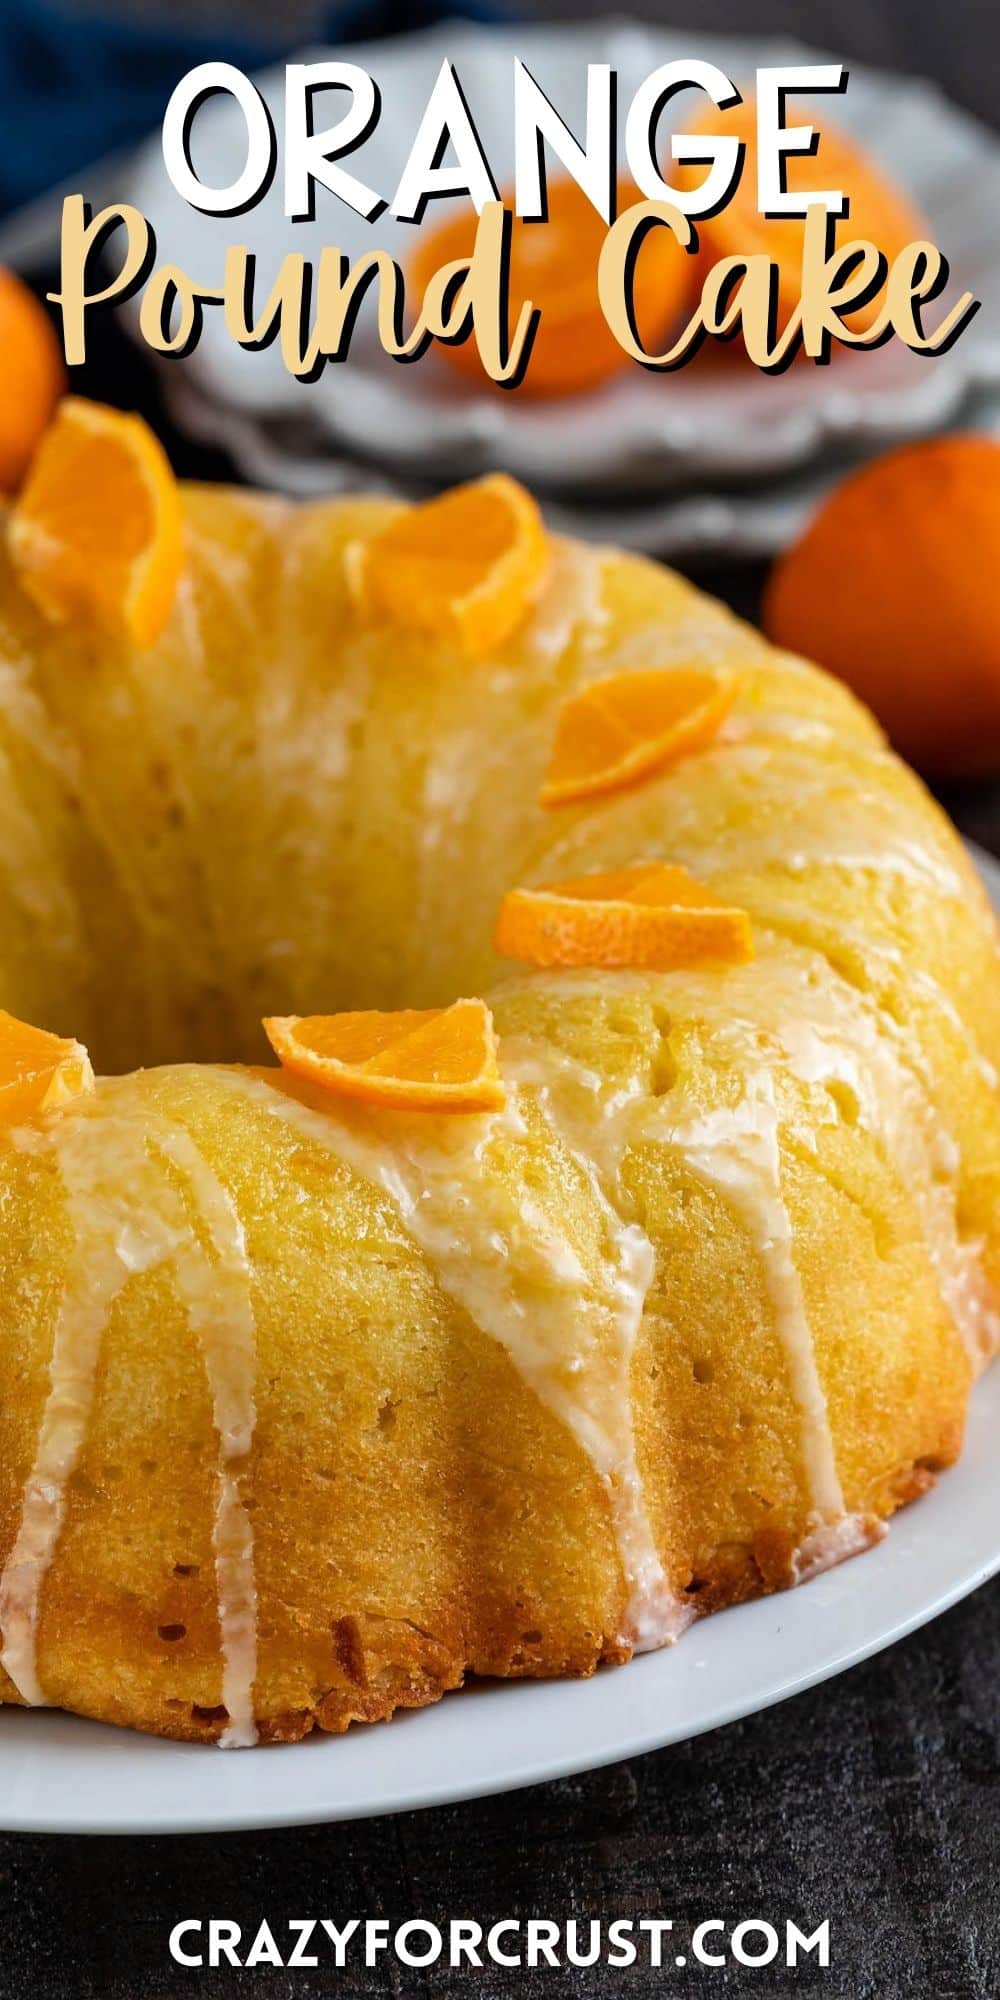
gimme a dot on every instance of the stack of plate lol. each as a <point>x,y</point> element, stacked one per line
<point>708,460</point>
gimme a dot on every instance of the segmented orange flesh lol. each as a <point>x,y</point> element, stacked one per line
<point>97,531</point>
<point>654,916</point>
<point>620,730</point>
<point>39,1072</point>
<point>467,565</point>
<point>433,1059</point>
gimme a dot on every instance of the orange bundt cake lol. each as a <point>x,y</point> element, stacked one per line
<point>615,1235</point>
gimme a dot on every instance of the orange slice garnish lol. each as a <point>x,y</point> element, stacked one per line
<point>466,565</point>
<point>432,1059</point>
<point>617,731</point>
<point>554,264</point>
<point>655,917</point>
<point>38,1072</point>
<point>97,531</point>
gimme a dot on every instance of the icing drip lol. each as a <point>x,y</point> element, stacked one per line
<point>834,1542</point>
<point>822,1031</point>
<point>802,1020</point>
<point>736,1151</point>
<point>789,919</point>
<point>463,766</point>
<point>888,1086</point>
<point>698,630</point>
<point>770,722</point>
<point>570,605</point>
<point>216,1297</point>
<point>655,1616</point>
<point>110,1243</point>
<point>805,1018</point>
<point>91,1291</point>
<point>567,1318</point>
<point>754,807</point>
<point>138,1222</point>
<point>565,1307</point>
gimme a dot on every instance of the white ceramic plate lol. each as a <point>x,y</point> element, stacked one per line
<point>642,433</point>
<point>61,1775</point>
<point>749,523</point>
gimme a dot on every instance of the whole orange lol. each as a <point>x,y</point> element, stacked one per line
<point>554,263</point>
<point>32,377</point>
<point>880,211</point>
<point>895,587</point>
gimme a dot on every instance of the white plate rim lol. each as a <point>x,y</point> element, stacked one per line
<point>59,1774</point>
<point>749,523</point>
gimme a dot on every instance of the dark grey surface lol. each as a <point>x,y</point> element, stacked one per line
<point>874,1801</point>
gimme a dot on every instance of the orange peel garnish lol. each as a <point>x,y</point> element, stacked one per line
<point>39,1072</point>
<point>97,532</point>
<point>655,917</point>
<point>430,1059</point>
<point>617,731</point>
<point>466,565</point>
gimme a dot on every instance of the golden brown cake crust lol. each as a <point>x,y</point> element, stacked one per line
<point>687,1321</point>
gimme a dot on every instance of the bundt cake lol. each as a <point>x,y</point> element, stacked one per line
<point>314,1403</point>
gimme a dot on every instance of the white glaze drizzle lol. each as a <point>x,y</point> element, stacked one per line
<point>889,1087</point>
<point>570,605</point>
<point>833,1542</point>
<point>567,1321</point>
<point>822,1030</point>
<point>655,1616</point>
<point>825,1030</point>
<point>733,1149</point>
<point>789,919</point>
<point>463,765</point>
<point>698,630</point>
<point>216,1297</point>
<point>760,725</point>
<point>794,820</point>
<point>88,1299</point>
<point>138,1223</point>
<point>109,1244</point>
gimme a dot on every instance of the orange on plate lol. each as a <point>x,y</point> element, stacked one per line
<point>879,210</point>
<point>433,1059</point>
<point>554,263</point>
<point>97,531</point>
<point>467,565</point>
<point>654,916</point>
<point>895,587</point>
<point>32,377</point>
<point>39,1072</point>
<point>619,730</point>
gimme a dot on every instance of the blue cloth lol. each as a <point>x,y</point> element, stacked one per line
<point>76,84</point>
